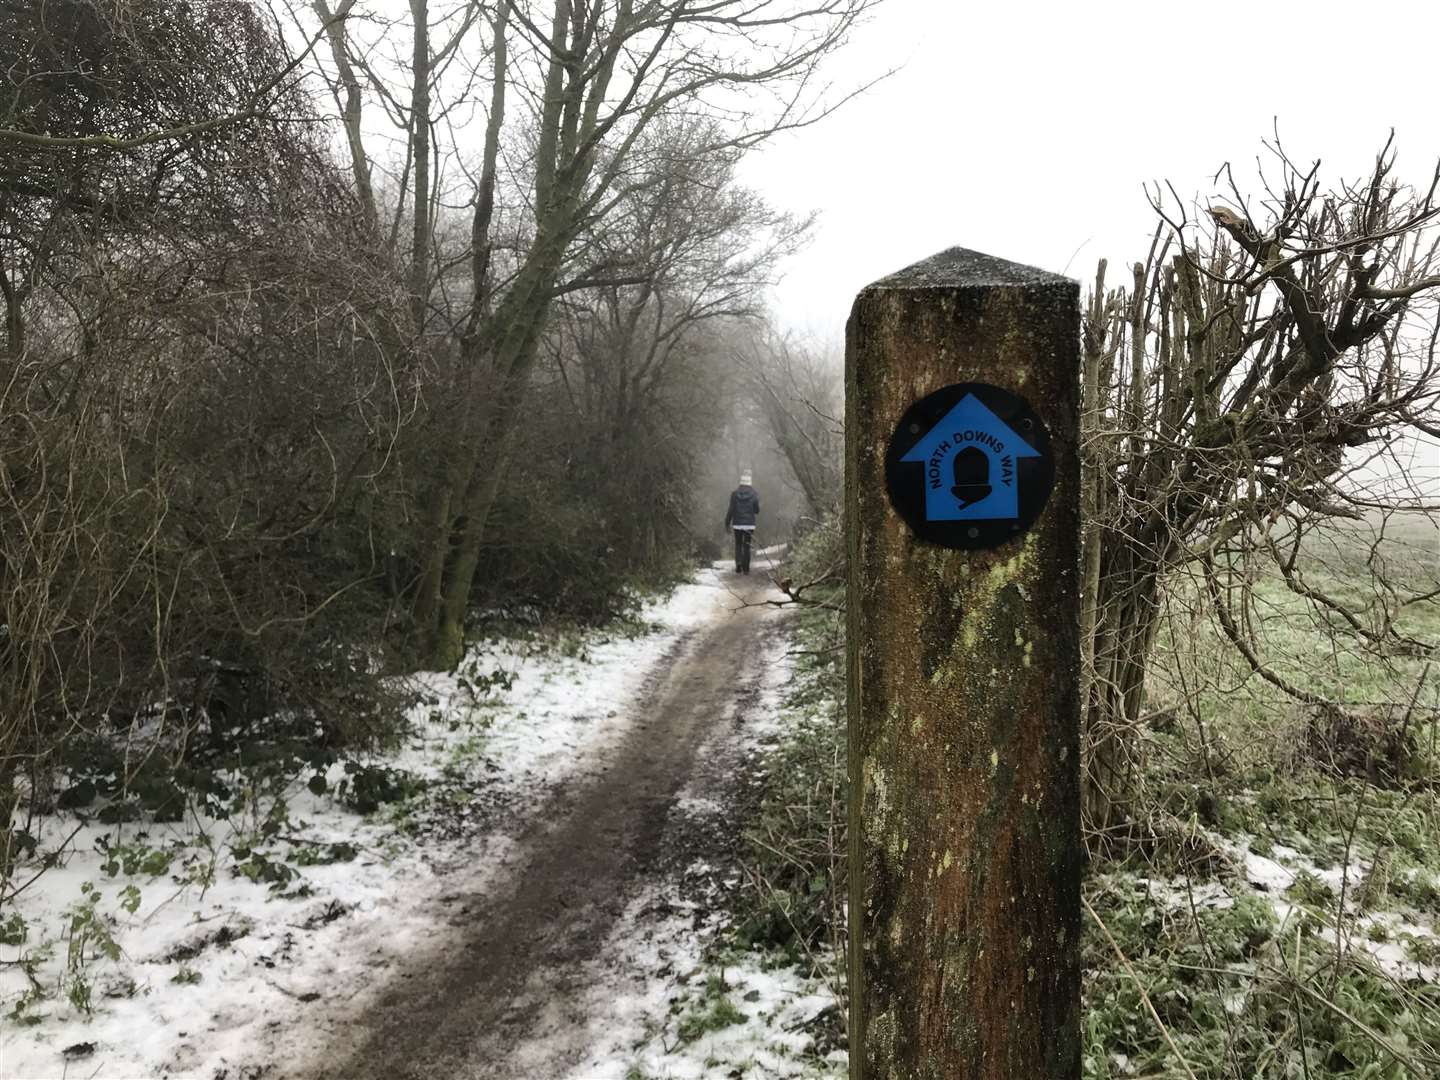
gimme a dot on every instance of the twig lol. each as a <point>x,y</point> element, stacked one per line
<point>1139,986</point>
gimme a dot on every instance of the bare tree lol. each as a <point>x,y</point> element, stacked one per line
<point>798,390</point>
<point>643,365</point>
<point>574,90</point>
<point>1241,390</point>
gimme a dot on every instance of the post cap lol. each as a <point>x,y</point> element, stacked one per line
<point>959,267</point>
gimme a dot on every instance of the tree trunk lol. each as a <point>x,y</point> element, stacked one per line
<point>420,141</point>
<point>1127,618</point>
<point>8,803</point>
<point>351,113</point>
<point>520,317</point>
<point>430,587</point>
<point>1092,479</point>
<point>448,643</point>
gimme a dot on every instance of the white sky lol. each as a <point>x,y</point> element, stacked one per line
<point>1026,130</point>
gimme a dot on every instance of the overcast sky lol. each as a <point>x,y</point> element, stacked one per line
<point>1026,130</point>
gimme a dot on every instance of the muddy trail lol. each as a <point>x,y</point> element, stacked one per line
<point>505,992</point>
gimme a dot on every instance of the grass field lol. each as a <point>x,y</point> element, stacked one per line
<point>1285,923</point>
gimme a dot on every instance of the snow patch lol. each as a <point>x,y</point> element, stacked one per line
<point>637,1016</point>
<point>216,973</point>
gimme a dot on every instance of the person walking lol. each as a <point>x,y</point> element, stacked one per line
<point>744,509</point>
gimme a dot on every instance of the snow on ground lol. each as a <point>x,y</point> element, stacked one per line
<point>1377,935</point>
<point>191,968</point>
<point>646,1016</point>
<point>1275,873</point>
<point>670,1006</point>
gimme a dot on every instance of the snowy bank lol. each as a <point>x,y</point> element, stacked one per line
<point>158,950</point>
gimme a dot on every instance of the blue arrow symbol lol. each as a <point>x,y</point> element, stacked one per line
<point>970,465</point>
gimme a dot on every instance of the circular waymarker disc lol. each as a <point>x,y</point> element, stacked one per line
<point>969,466</point>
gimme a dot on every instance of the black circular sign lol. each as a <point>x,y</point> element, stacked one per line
<point>969,466</point>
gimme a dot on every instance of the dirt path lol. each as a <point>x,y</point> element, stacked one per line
<point>505,995</point>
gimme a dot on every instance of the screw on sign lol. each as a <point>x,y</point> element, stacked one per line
<point>962,505</point>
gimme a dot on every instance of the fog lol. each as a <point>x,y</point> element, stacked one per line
<point>1029,131</point>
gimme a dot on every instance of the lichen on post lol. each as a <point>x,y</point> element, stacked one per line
<point>965,848</point>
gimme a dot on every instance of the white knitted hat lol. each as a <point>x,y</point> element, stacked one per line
<point>744,478</point>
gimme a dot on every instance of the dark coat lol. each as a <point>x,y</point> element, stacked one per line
<point>744,506</point>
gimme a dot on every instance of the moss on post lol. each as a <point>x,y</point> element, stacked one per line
<point>965,849</point>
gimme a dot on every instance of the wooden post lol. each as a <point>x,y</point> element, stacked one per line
<point>964,753</point>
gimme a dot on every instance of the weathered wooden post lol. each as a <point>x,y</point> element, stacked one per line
<point>962,496</point>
